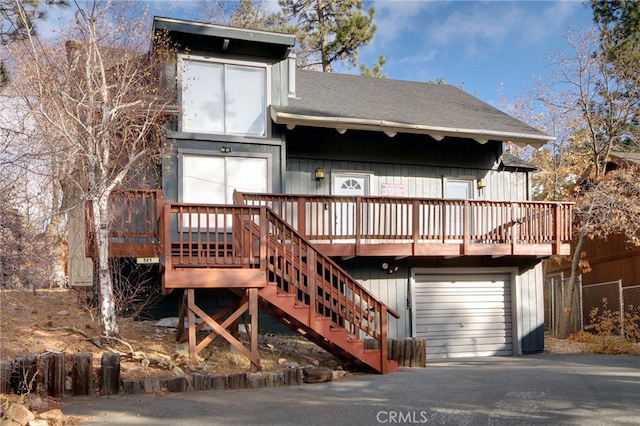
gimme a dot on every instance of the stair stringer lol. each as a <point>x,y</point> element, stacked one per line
<point>326,334</point>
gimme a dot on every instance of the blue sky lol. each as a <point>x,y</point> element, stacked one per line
<point>480,45</point>
<point>489,48</point>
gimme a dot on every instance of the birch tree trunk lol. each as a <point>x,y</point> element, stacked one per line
<point>105,283</point>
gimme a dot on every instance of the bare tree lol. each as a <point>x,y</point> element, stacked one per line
<point>588,88</point>
<point>96,99</point>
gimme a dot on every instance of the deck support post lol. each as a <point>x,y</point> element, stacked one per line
<point>249,302</point>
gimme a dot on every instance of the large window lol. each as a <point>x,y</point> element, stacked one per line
<point>223,98</point>
<point>212,180</point>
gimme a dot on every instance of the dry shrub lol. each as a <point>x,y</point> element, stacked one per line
<point>603,331</point>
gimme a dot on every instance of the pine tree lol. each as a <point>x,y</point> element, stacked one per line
<point>329,30</point>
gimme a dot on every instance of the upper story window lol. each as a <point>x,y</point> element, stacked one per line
<point>223,98</point>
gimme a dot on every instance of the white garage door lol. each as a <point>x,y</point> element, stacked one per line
<point>463,315</point>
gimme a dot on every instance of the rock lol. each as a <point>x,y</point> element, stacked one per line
<point>178,371</point>
<point>54,415</point>
<point>39,422</point>
<point>338,374</point>
<point>281,361</point>
<point>315,362</point>
<point>38,404</point>
<point>62,313</point>
<point>20,414</point>
<point>291,364</point>
<point>145,363</point>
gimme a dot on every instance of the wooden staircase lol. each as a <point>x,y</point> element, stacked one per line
<point>248,249</point>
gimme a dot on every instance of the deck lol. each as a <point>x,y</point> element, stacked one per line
<point>360,226</point>
<point>274,252</point>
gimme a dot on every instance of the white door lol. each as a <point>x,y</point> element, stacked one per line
<point>456,189</point>
<point>352,185</point>
<point>463,315</point>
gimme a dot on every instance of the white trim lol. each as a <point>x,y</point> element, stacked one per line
<point>392,127</point>
<point>353,173</point>
<point>471,181</point>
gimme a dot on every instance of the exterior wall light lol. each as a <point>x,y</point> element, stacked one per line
<point>226,149</point>
<point>319,173</point>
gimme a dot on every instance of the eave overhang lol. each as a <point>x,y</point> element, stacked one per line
<point>391,128</point>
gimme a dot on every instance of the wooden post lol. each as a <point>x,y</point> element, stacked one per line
<point>165,239</point>
<point>219,382</point>
<point>312,287</point>
<point>253,311</point>
<point>466,218</point>
<point>558,229</point>
<point>358,224</point>
<point>275,379</point>
<point>110,374</point>
<point>192,325</point>
<point>515,229</point>
<point>132,386</point>
<point>238,381</point>
<point>81,374</point>
<point>182,309</point>
<point>292,376</point>
<point>302,216</point>
<point>151,385</point>
<point>415,225</point>
<point>201,381</point>
<point>177,384</point>
<point>54,374</point>
<point>23,377</point>
<point>409,357</point>
<point>384,363</point>
<point>6,367</point>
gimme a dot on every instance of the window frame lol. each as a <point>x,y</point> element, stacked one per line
<point>181,63</point>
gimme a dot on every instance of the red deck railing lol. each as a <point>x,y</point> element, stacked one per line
<point>376,226</point>
<point>347,225</point>
<point>254,238</point>
<point>133,231</point>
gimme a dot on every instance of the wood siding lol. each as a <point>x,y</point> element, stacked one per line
<point>418,164</point>
<point>610,259</point>
<point>390,287</point>
<point>530,310</point>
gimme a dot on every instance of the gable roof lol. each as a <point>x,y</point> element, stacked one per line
<point>509,161</point>
<point>348,102</point>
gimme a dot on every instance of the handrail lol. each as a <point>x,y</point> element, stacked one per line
<point>135,215</point>
<point>421,220</point>
<point>256,237</point>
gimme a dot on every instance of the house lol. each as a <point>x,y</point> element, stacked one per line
<point>609,268</point>
<point>349,208</point>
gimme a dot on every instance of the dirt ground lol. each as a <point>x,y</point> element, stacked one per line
<point>35,323</point>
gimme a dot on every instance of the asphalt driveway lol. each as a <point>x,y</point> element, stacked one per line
<point>537,389</point>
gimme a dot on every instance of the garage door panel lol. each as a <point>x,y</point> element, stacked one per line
<point>464,315</point>
<point>461,352</point>
<point>455,326</point>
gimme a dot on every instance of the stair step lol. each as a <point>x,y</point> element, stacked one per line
<point>325,332</point>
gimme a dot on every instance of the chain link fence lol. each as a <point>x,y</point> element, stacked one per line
<point>597,307</point>
<point>554,302</point>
